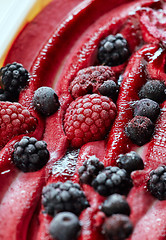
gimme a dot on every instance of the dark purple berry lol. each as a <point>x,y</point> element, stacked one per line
<point>112,180</point>
<point>157,182</point>
<point>89,170</point>
<point>113,50</point>
<point>46,101</point>
<point>65,226</point>
<point>130,162</point>
<point>14,78</point>
<point>140,130</point>
<point>115,204</point>
<point>59,197</point>
<point>147,108</point>
<point>117,227</point>
<point>153,89</point>
<point>109,89</point>
<point>30,155</point>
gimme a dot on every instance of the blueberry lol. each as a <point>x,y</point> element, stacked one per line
<point>65,226</point>
<point>46,101</point>
<point>109,89</point>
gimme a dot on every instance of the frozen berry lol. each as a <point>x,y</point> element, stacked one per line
<point>157,182</point>
<point>68,196</point>
<point>46,101</point>
<point>140,130</point>
<point>14,78</point>
<point>89,118</point>
<point>30,155</point>
<point>14,120</point>
<point>109,89</point>
<point>115,204</point>
<point>89,170</point>
<point>153,89</point>
<point>117,227</point>
<point>130,161</point>
<point>89,79</point>
<point>113,50</point>
<point>112,180</point>
<point>147,108</point>
<point>65,226</point>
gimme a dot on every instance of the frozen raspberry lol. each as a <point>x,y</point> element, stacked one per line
<point>115,204</point>
<point>157,182</point>
<point>140,130</point>
<point>65,226</point>
<point>113,50</point>
<point>59,197</point>
<point>30,155</point>
<point>14,78</point>
<point>130,162</point>
<point>89,170</point>
<point>147,108</point>
<point>88,118</point>
<point>46,101</point>
<point>117,227</point>
<point>89,79</point>
<point>153,89</point>
<point>112,180</point>
<point>14,120</point>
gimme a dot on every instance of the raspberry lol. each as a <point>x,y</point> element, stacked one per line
<point>30,155</point>
<point>157,182</point>
<point>14,78</point>
<point>59,197</point>
<point>113,50</point>
<point>14,120</point>
<point>88,118</point>
<point>89,79</point>
<point>89,170</point>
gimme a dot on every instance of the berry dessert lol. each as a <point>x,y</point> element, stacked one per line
<point>83,123</point>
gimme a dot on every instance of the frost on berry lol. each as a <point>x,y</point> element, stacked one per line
<point>89,118</point>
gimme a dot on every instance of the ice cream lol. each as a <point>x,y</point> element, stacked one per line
<point>63,39</point>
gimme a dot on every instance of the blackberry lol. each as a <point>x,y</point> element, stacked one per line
<point>153,89</point>
<point>5,95</point>
<point>46,101</point>
<point>59,197</point>
<point>112,180</point>
<point>115,204</point>
<point>117,227</point>
<point>113,50</point>
<point>157,182</point>
<point>14,78</point>
<point>109,89</point>
<point>147,108</point>
<point>91,167</point>
<point>65,226</point>
<point>140,130</point>
<point>130,161</point>
<point>30,155</point>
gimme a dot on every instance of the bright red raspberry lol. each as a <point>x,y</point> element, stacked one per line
<point>88,118</point>
<point>14,120</point>
<point>89,79</point>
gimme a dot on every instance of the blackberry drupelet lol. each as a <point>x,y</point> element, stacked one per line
<point>14,78</point>
<point>65,226</point>
<point>157,182</point>
<point>59,197</point>
<point>30,155</point>
<point>130,162</point>
<point>117,227</point>
<point>113,50</point>
<point>153,89</point>
<point>89,170</point>
<point>115,204</point>
<point>46,101</point>
<point>112,180</point>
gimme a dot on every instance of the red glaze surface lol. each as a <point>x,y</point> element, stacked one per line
<point>68,42</point>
